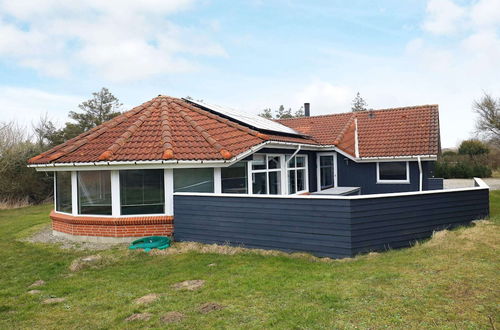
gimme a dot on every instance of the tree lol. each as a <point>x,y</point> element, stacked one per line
<point>102,107</point>
<point>358,104</point>
<point>488,121</point>
<point>473,148</point>
<point>266,113</point>
<point>282,113</point>
<point>44,131</point>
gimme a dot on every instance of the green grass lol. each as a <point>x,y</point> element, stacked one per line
<point>450,282</point>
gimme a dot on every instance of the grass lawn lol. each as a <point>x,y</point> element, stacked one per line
<point>451,281</point>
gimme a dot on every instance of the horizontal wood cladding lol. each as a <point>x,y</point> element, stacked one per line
<point>394,222</point>
<point>324,227</point>
<point>268,223</point>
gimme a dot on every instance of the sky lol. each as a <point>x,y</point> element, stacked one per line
<point>251,55</point>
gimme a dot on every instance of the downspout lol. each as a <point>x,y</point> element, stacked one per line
<point>294,154</point>
<point>421,175</point>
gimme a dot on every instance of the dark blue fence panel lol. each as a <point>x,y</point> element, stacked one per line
<point>333,227</point>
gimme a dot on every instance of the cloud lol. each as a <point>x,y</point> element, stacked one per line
<point>118,40</point>
<point>326,97</point>
<point>27,104</point>
<point>444,17</point>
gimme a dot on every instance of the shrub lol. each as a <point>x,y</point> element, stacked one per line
<point>473,148</point>
<point>461,170</point>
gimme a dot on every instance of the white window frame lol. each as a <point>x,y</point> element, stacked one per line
<point>282,169</point>
<point>295,169</point>
<point>318,169</point>
<point>407,181</point>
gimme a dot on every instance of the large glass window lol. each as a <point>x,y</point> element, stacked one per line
<point>393,172</point>
<point>266,174</point>
<point>94,192</point>
<point>297,170</point>
<point>194,180</point>
<point>142,192</point>
<point>326,171</point>
<point>234,178</point>
<point>63,192</point>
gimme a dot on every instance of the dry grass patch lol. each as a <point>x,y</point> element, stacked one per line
<point>186,247</point>
<point>172,317</point>
<point>210,307</point>
<point>190,285</point>
<point>14,203</point>
<point>92,261</point>
<point>51,301</point>
<point>139,317</point>
<point>147,299</point>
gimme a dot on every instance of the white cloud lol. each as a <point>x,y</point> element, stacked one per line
<point>444,17</point>
<point>325,97</point>
<point>27,104</point>
<point>120,40</point>
<point>486,13</point>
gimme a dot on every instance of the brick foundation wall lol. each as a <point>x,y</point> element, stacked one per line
<point>113,227</point>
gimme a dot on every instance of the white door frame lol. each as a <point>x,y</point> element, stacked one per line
<point>318,169</point>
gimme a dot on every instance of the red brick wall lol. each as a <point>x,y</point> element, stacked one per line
<point>113,227</point>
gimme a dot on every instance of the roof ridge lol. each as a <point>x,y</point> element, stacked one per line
<point>166,134</point>
<point>344,130</point>
<point>411,107</point>
<point>120,141</point>
<point>213,142</point>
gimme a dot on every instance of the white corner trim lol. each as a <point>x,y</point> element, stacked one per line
<point>217,180</point>
<point>168,181</point>
<point>478,182</point>
<point>115,194</point>
<point>74,193</point>
<point>407,181</point>
<point>356,142</point>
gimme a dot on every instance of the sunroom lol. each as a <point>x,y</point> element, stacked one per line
<point>132,192</point>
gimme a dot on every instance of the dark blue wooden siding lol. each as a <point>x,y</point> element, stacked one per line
<point>364,175</point>
<point>324,227</point>
<point>394,222</point>
<point>268,223</point>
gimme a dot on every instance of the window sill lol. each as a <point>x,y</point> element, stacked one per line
<point>393,182</point>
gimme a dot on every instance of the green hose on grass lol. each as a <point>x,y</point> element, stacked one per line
<point>151,242</point>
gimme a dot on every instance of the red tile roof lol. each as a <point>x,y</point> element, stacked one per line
<point>408,131</point>
<point>164,128</point>
<point>168,128</point>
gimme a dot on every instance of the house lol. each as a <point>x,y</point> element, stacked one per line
<point>118,180</point>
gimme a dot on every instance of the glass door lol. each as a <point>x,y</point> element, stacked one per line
<point>326,171</point>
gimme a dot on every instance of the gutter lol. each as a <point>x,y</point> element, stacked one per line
<point>294,154</point>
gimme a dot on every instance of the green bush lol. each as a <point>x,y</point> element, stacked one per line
<point>461,170</point>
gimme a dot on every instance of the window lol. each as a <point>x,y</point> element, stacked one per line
<point>297,170</point>
<point>266,174</point>
<point>63,192</point>
<point>142,192</point>
<point>234,178</point>
<point>392,172</point>
<point>194,180</point>
<point>326,171</point>
<point>94,192</point>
